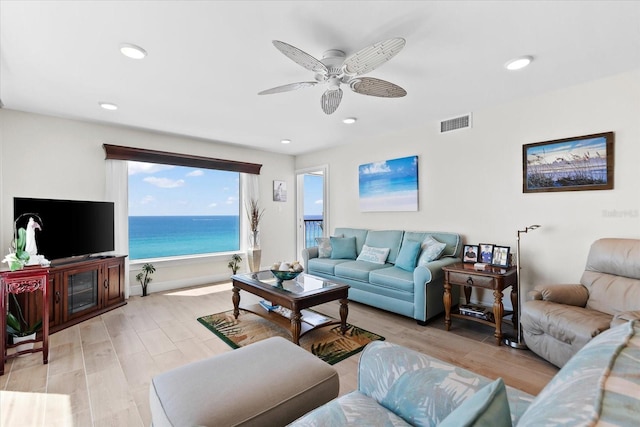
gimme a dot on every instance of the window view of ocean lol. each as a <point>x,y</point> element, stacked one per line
<point>165,236</point>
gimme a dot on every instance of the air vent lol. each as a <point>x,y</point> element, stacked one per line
<point>461,122</point>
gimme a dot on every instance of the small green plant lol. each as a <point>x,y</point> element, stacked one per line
<point>144,277</point>
<point>234,264</point>
<point>18,326</point>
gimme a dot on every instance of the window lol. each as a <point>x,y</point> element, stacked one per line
<point>180,210</point>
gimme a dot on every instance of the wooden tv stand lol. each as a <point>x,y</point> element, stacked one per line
<point>79,290</point>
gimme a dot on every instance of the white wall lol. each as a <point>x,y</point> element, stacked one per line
<point>49,157</point>
<point>470,181</point>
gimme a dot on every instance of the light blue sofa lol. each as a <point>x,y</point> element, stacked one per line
<point>401,387</point>
<point>415,293</point>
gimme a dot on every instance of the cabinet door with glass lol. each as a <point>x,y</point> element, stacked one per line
<point>82,293</point>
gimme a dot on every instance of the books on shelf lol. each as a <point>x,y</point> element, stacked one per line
<point>477,311</point>
<point>308,316</point>
<point>267,305</point>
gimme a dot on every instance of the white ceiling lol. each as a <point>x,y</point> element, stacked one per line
<point>207,60</point>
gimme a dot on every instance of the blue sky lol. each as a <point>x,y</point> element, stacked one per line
<point>175,190</point>
<point>312,195</point>
<point>163,190</point>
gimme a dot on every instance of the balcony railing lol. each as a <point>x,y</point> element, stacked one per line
<point>312,229</point>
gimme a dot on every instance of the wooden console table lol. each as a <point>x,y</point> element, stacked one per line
<point>30,279</point>
<point>494,278</point>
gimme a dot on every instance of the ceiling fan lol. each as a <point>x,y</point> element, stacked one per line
<point>333,69</point>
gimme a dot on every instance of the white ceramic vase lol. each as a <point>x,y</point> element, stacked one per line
<point>27,346</point>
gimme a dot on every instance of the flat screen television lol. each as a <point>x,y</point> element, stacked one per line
<point>70,228</point>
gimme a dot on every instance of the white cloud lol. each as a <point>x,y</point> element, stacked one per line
<point>213,205</point>
<point>164,182</point>
<point>139,167</point>
<point>147,199</point>
<point>196,172</point>
<point>318,202</point>
<point>376,167</point>
<point>231,200</point>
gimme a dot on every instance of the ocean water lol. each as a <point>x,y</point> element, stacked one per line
<point>164,236</point>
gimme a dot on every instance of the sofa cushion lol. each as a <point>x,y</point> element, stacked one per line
<point>431,250</point>
<point>391,239</point>
<point>374,255</point>
<point>357,270</point>
<point>408,255</point>
<point>323,265</point>
<point>343,247</point>
<point>598,385</point>
<point>393,277</point>
<point>488,407</point>
<point>566,323</point>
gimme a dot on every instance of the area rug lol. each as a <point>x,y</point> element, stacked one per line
<point>325,342</point>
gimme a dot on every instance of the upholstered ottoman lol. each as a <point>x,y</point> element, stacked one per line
<point>268,383</point>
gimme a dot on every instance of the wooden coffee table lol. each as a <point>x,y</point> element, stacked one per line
<point>303,292</point>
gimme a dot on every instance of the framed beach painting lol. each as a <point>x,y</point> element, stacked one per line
<point>570,164</point>
<point>389,186</point>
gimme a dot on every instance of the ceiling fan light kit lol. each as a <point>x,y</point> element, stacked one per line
<point>333,70</point>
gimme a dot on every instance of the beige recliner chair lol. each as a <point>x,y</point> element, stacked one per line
<point>560,319</point>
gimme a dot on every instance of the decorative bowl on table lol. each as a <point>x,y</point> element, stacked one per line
<point>281,275</point>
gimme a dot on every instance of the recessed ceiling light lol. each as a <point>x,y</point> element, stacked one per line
<point>132,51</point>
<point>286,141</point>
<point>518,63</point>
<point>349,120</point>
<point>108,106</point>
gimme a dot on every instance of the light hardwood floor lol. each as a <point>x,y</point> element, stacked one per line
<point>99,371</point>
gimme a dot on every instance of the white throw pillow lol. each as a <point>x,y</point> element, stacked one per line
<point>374,255</point>
<point>431,250</point>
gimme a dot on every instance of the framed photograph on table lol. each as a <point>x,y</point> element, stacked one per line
<point>500,256</point>
<point>470,253</point>
<point>486,253</point>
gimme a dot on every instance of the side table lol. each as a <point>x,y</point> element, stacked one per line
<point>30,279</point>
<point>494,278</point>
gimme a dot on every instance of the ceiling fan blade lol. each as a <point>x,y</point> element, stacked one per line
<point>287,88</point>
<point>331,100</point>
<point>376,87</point>
<point>370,58</point>
<point>300,57</point>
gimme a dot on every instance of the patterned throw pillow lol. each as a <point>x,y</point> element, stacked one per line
<point>374,255</point>
<point>431,250</point>
<point>324,247</point>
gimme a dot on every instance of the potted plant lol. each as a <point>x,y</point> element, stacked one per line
<point>19,329</point>
<point>144,277</point>
<point>234,264</point>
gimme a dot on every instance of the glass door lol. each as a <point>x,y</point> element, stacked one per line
<point>312,206</point>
